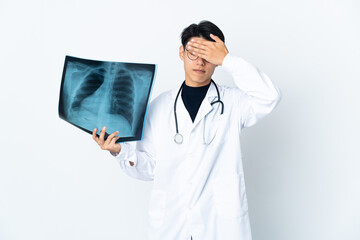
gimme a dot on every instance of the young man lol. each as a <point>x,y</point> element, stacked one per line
<point>191,145</point>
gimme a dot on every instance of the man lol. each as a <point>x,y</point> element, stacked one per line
<point>191,145</point>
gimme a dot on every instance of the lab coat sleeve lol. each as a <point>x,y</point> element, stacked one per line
<point>141,153</point>
<point>258,95</point>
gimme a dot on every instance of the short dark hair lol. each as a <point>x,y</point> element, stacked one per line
<point>203,29</point>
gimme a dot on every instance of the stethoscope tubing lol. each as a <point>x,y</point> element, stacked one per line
<point>178,138</point>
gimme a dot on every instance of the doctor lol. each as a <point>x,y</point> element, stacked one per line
<point>191,144</point>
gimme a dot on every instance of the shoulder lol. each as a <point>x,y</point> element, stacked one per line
<point>162,102</point>
<point>231,92</point>
<point>162,98</point>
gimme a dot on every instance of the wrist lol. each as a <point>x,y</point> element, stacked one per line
<point>222,61</point>
<point>117,150</point>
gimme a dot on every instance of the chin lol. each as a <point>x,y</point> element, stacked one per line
<point>205,82</point>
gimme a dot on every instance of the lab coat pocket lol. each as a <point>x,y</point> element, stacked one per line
<point>213,129</point>
<point>157,207</point>
<point>229,196</point>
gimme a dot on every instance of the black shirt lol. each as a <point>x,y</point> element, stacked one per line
<point>192,98</point>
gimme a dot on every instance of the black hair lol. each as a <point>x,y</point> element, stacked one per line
<point>203,29</point>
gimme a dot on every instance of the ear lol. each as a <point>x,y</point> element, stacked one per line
<point>181,53</point>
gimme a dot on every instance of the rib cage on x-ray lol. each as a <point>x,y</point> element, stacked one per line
<point>113,94</point>
<point>124,94</point>
<point>121,85</point>
<point>92,82</point>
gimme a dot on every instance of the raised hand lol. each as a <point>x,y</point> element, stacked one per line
<point>213,52</point>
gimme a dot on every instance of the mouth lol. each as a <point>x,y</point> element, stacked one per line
<point>199,71</point>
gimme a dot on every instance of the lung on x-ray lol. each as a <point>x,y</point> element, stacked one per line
<point>94,94</point>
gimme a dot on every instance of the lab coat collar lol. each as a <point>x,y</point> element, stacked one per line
<point>210,93</point>
<point>205,106</point>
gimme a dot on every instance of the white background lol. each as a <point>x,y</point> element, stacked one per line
<point>301,162</point>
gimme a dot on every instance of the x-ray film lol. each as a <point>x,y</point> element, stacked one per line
<point>94,94</point>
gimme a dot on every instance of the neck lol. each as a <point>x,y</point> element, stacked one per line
<point>197,84</point>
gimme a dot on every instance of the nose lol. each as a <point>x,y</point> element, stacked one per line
<point>200,61</point>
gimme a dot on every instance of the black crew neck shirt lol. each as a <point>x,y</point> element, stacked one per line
<point>192,98</point>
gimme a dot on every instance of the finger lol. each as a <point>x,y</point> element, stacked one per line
<point>96,139</point>
<point>113,134</point>
<point>216,38</point>
<point>102,135</point>
<point>110,137</point>
<point>94,133</point>
<point>199,51</point>
<point>203,56</point>
<point>113,141</point>
<point>200,41</point>
<point>196,46</point>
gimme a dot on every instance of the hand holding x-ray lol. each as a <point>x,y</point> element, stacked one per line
<point>110,142</point>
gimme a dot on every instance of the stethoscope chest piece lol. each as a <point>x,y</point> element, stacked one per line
<point>178,138</point>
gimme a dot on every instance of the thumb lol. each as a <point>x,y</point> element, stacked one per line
<point>216,38</point>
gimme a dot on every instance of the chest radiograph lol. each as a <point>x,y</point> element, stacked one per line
<point>114,94</point>
<point>92,82</point>
<point>124,94</point>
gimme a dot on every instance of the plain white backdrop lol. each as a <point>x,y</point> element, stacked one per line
<point>301,162</point>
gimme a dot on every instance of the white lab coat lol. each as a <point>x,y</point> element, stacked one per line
<point>199,189</point>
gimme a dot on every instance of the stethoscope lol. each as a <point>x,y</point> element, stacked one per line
<point>178,138</point>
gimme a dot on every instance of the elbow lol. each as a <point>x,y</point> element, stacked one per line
<point>271,97</point>
<point>278,95</point>
<point>267,106</point>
